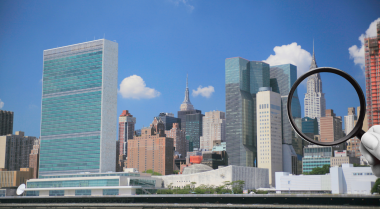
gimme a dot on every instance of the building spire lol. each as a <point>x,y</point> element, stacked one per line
<point>313,62</point>
<point>186,104</point>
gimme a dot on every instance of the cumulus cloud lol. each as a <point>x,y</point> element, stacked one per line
<point>356,53</point>
<point>204,92</point>
<point>134,87</point>
<point>293,54</point>
<point>1,104</point>
<point>188,6</point>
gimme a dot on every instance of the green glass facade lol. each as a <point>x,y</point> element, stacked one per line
<point>74,78</point>
<point>74,183</point>
<point>243,80</point>
<point>194,130</point>
<point>315,156</point>
<point>110,192</point>
<point>82,192</point>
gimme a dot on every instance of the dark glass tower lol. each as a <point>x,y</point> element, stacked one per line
<point>168,119</point>
<point>243,80</point>
<point>188,109</point>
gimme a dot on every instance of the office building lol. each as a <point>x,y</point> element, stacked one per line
<point>13,179</point>
<point>243,80</point>
<point>193,130</point>
<point>179,139</point>
<point>79,97</point>
<point>6,122</point>
<point>168,119</point>
<point>331,127</point>
<point>187,108</point>
<point>282,78</point>
<point>34,158</point>
<point>342,157</point>
<point>15,150</point>
<point>213,130</point>
<point>269,140</point>
<point>126,131</point>
<point>341,180</point>
<point>152,150</point>
<point>372,71</point>
<point>310,127</point>
<point>93,184</point>
<point>315,156</point>
<point>314,101</point>
<point>349,120</point>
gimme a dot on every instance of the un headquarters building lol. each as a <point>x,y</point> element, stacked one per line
<point>79,97</point>
<point>243,80</point>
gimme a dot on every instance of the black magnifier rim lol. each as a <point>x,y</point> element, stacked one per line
<point>357,131</point>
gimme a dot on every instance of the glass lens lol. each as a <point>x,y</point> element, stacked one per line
<point>325,107</point>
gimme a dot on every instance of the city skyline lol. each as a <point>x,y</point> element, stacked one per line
<point>170,56</point>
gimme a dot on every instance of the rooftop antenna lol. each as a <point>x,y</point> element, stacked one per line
<point>20,189</point>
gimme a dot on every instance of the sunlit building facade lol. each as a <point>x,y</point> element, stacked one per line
<point>79,97</point>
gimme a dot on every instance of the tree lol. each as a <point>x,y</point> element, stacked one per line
<point>152,172</point>
<point>319,171</point>
<point>176,172</point>
<point>358,165</point>
<point>237,186</point>
<point>192,186</point>
<point>375,188</point>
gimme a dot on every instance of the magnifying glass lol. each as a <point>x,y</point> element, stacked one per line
<point>328,124</point>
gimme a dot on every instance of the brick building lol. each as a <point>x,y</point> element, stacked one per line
<point>331,127</point>
<point>152,150</point>
<point>179,139</point>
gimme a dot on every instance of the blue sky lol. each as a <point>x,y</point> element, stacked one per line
<point>162,41</point>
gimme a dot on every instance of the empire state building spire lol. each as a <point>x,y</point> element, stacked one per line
<point>186,104</point>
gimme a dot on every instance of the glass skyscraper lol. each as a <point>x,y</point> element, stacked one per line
<point>243,80</point>
<point>79,98</point>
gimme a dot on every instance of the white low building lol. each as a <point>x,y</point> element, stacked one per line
<point>341,180</point>
<point>253,178</point>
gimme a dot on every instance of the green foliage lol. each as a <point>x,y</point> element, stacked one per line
<point>260,191</point>
<point>358,165</point>
<point>319,171</point>
<point>375,188</point>
<point>164,191</point>
<point>176,171</point>
<point>235,187</point>
<point>152,172</point>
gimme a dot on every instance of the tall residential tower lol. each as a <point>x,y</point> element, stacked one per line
<point>79,97</point>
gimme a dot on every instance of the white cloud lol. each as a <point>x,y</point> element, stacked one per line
<point>293,54</point>
<point>1,104</point>
<point>189,7</point>
<point>134,87</point>
<point>358,53</point>
<point>204,92</point>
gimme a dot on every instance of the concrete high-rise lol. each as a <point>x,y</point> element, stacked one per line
<point>269,133</point>
<point>349,120</point>
<point>15,150</point>
<point>79,97</point>
<point>372,75</point>
<point>243,80</point>
<point>315,102</point>
<point>6,122</point>
<point>126,131</point>
<point>196,125</point>
<point>179,139</point>
<point>213,130</point>
<point>34,158</point>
